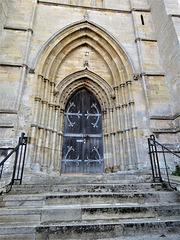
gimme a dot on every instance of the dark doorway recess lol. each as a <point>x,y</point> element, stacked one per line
<point>82,150</point>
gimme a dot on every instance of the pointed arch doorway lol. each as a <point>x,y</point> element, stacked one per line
<point>82,150</point>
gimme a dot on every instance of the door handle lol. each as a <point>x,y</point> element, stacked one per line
<point>85,138</point>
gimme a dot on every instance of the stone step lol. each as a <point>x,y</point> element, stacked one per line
<point>110,198</point>
<point>18,231</point>
<point>106,229</point>
<point>88,207</point>
<point>128,212</point>
<point>133,176</point>
<point>18,237</point>
<point>161,236</point>
<point>146,237</point>
<point>36,200</point>
<point>95,212</point>
<point>100,187</point>
<point>88,198</point>
<point>81,198</point>
<point>15,215</point>
<point>99,229</point>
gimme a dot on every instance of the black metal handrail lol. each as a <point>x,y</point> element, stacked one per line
<point>154,159</point>
<point>19,160</point>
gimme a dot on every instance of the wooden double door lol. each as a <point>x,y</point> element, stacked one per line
<point>82,150</point>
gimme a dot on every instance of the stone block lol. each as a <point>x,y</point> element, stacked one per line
<point>118,4</point>
<point>150,55</point>
<point>144,29</point>
<point>141,4</point>
<point>61,214</point>
<point>19,14</point>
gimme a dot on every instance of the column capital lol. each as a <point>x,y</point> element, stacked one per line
<point>128,82</point>
<point>37,98</point>
<point>122,85</point>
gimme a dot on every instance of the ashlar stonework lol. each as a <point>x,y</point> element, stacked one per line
<point>125,53</point>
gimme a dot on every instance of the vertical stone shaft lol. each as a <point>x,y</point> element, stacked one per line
<point>134,128</point>
<point>60,137</point>
<point>56,157</point>
<point>105,150</point>
<point>108,139</point>
<point>112,132</point>
<point>125,130</point>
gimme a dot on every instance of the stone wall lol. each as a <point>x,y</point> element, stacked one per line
<point>166,19</point>
<point>4,6</point>
<point>133,48</point>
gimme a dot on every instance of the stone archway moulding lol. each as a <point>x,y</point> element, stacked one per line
<point>115,98</point>
<point>54,40</point>
<point>88,79</point>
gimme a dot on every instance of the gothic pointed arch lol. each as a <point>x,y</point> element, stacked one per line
<point>88,30</point>
<point>84,55</point>
<point>88,79</point>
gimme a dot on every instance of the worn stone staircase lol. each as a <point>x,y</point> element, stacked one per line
<point>110,206</point>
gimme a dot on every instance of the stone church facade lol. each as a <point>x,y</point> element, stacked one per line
<point>124,55</point>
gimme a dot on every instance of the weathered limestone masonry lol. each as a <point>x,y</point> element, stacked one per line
<point>126,53</point>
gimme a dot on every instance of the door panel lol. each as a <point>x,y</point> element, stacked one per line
<point>82,150</point>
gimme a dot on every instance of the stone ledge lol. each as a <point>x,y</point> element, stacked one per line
<point>84,7</point>
<point>16,28</point>
<point>172,117</point>
<point>166,130</point>
<point>11,64</point>
<point>141,10</point>
<point>152,74</point>
<point>8,111</point>
<point>7,143</point>
<point>145,39</point>
<point>174,15</point>
<point>46,2</point>
<point>6,125</point>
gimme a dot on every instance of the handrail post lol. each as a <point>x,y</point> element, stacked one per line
<point>150,154</point>
<point>15,162</point>
<point>23,162</point>
<point>154,158</point>
<point>22,137</point>
<point>19,161</point>
<point>157,158</point>
<point>1,170</point>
